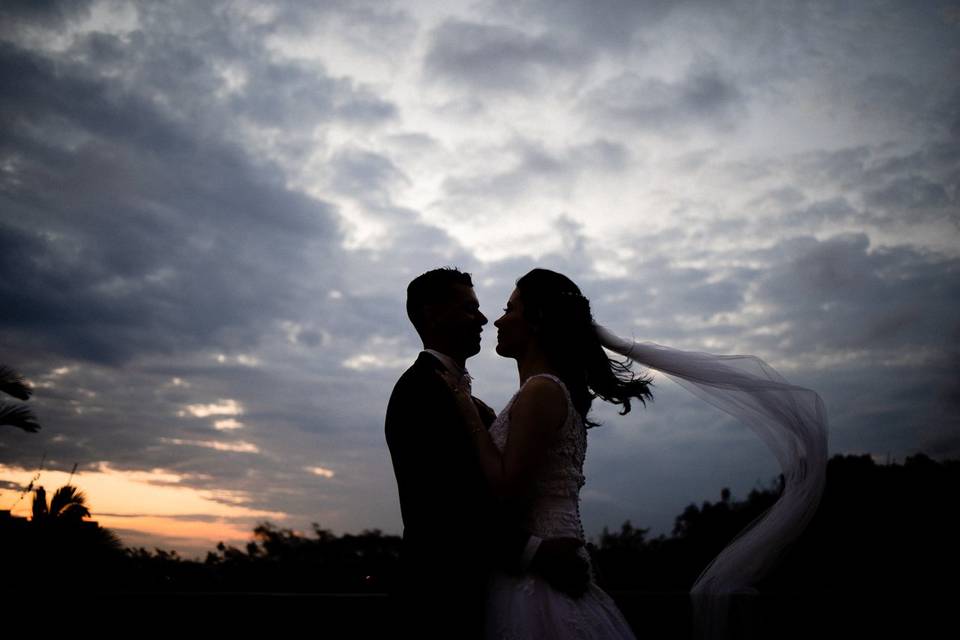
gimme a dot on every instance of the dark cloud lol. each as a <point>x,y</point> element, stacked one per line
<point>142,235</point>
<point>535,168</point>
<point>704,97</point>
<point>497,58</point>
<point>295,95</point>
<point>602,24</point>
<point>135,223</point>
<point>870,188</point>
<point>129,242</point>
<point>366,25</point>
<point>887,95</point>
<point>815,214</point>
<point>916,187</point>
<point>911,195</point>
<point>839,295</point>
<point>47,14</point>
<point>364,174</point>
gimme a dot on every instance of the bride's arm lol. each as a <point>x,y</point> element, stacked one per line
<point>537,413</point>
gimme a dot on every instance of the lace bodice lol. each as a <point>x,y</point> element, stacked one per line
<point>527,606</point>
<point>555,509</point>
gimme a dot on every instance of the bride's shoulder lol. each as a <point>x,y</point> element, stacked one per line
<point>546,384</point>
<point>542,395</point>
<point>543,381</point>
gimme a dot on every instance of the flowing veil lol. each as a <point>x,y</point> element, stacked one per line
<point>791,421</point>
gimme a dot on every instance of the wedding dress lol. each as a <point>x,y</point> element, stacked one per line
<point>526,606</point>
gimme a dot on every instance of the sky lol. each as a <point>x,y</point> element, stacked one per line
<point>209,213</point>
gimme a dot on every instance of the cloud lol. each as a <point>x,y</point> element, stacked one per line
<point>126,227</point>
<point>366,26</point>
<point>148,227</point>
<point>705,96</point>
<point>891,194</point>
<point>497,58</point>
<point>292,94</point>
<point>839,295</point>
<point>601,24</point>
<point>533,167</point>
<point>225,407</point>
<point>237,447</point>
<point>321,471</point>
<point>20,14</point>
<point>815,214</point>
<point>364,175</point>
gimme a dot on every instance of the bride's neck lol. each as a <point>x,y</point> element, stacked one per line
<point>530,364</point>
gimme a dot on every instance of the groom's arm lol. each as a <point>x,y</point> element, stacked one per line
<point>431,459</point>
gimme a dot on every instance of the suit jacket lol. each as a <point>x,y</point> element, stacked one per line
<point>452,528</point>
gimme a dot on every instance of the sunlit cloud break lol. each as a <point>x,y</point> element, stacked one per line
<point>227,424</point>
<point>320,471</point>
<point>367,361</point>
<point>224,407</point>
<point>239,447</point>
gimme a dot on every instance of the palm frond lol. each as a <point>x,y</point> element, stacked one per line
<point>12,383</point>
<point>68,501</point>
<point>72,511</point>
<point>109,540</point>
<point>20,416</point>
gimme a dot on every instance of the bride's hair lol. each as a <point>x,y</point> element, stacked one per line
<point>554,304</point>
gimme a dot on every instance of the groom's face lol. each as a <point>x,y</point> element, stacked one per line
<point>457,322</point>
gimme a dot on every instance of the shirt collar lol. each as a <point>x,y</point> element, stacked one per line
<point>448,362</point>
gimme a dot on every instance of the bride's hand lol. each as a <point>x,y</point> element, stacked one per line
<point>460,394</point>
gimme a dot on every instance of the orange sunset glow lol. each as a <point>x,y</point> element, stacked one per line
<point>149,508</point>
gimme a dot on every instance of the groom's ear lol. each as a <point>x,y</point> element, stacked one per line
<point>428,315</point>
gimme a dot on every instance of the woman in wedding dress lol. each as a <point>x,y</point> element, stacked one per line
<point>533,454</point>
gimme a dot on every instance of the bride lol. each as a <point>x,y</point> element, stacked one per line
<point>533,454</point>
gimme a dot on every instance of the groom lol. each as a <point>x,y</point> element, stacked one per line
<point>453,531</point>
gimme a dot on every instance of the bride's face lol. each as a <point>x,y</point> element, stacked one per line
<point>514,332</point>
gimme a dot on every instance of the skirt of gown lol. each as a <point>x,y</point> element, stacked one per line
<point>525,607</point>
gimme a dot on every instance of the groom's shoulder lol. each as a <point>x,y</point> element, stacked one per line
<point>423,369</point>
<point>417,376</point>
<point>411,394</point>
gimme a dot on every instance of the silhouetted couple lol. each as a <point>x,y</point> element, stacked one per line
<point>493,540</point>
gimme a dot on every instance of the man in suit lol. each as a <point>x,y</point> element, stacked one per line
<point>453,530</point>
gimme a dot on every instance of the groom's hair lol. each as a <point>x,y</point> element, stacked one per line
<point>430,288</point>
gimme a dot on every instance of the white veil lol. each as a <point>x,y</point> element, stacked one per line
<point>791,420</point>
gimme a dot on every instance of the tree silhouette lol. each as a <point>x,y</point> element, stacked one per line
<point>59,546</point>
<point>882,532</point>
<point>16,414</point>
<point>67,505</point>
<point>62,521</point>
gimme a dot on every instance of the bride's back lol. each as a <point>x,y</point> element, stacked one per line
<point>554,507</point>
